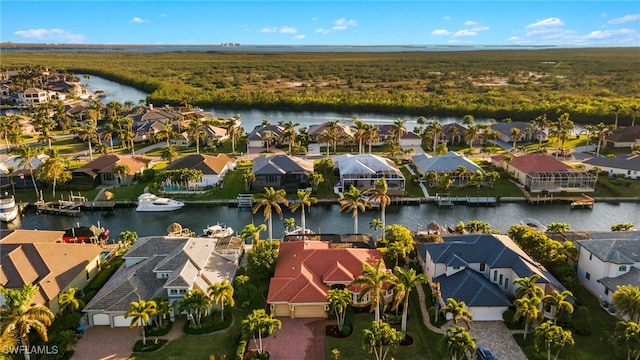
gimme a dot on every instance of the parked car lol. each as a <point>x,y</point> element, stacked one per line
<point>483,353</point>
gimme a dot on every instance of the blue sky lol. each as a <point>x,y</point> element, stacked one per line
<point>562,23</point>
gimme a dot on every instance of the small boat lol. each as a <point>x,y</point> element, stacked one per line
<point>8,208</point>
<point>100,93</point>
<point>86,234</point>
<point>150,202</point>
<point>534,224</point>
<point>298,230</point>
<point>218,231</point>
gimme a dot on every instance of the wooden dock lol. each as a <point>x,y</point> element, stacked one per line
<point>58,208</point>
<point>585,202</point>
<point>242,201</point>
<point>98,205</point>
<point>446,200</point>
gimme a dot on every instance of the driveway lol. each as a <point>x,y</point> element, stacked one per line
<point>298,339</point>
<point>496,336</point>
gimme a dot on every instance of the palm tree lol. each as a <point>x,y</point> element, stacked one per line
<point>459,311</point>
<point>559,302</point>
<point>252,231</point>
<point>615,108</point>
<point>339,300</point>
<point>404,281</point>
<point>196,304</point>
<point>326,138</point>
<point>375,225</point>
<point>515,135</point>
<point>634,110</point>
<point>434,129</point>
<point>304,200</point>
<point>628,337</point>
<point>380,339</point>
<point>352,201</point>
<point>196,131</point>
<point>372,280</point>
<point>458,342</point>
<point>68,300</point>
<point>7,126</point>
<point>558,227</point>
<point>627,301</point>
<point>166,132</point>
<point>623,227</point>
<point>398,129</point>
<point>46,136</point>
<point>89,133</point>
<point>27,154</point>
<point>259,324</point>
<point>527,307</point>
<point>550,337</point>
<point>268,136</point>
<point>270,200</point>
<point>163,307</point>
<point>289,224</point>
<point>379,196</point>
<point>222,293</point>
<point>527,287</point>
<point>20,316</point>
<point>55,169</point>
<point>248,177</point>
<point>471,134</point>
<point>121,170</point>
<point>140,313</point>
<point>436,295</point>
<point>169,153</point>
<point>371,135</point>
<point>360,130</point>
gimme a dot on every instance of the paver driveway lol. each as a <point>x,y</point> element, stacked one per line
<point>298,339</point>
<point>496,336</point>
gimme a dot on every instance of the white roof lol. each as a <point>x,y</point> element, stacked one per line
<point>364,164</point>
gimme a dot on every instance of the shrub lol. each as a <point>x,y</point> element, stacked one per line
<point>346,330</point>
<point>242,348</point>
<point>581,322</point>
<point>152,345</point>
<point>432,313</point>
<point>507,316</point>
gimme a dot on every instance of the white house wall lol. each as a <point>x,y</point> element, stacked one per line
<point>489,313</point>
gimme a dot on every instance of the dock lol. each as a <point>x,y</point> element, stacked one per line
<point>98,205</point>
<point>242,201</point>
<point>585,202</point>
<point>58,208</point>
<point>446,200</point>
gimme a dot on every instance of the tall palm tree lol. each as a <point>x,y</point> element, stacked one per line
<point>627,301</point>
<point>140,313</point>
<point>268,136</point>
<point>615,109</point>
<point>403,282</point>
<point>436,295</point>
<point>326,138</point>
<point>371,135</point>
<point>527,287</point>
<point>471,134</point>
<point>339,300</point>
<point>233,130</point>
<point>196,304</point>
<point>360,129</point>
<point>197,131</point>
<point>376,225</point>
<point>459,311</point>
<point>634,110</point>
<point>601,131</point>
<point>304,200</point>
<point>89,133</point>
<point>27,155</point>
<point>68,300</point>
<point>270,200</point>
<point>163,307</point>
<point>259,324</point>
<point>527,308</point>
<point>20,316</point>
<point>559,301</point>
<point>434,130</point>
<point>169,153</point>
<point>458,342</point>
<point>515,134</point>
<point>380,338</point>
<point>252,231</point>
<point>222,293</point>
<point>55,169</point>
<point>398,129</point>
<point>548,336</point>
<point>372,281</point>
<point>352,201</point>
<point>7,126</point>
<point>379,196</point>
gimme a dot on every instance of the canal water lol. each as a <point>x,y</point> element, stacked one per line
<point>328,219</point>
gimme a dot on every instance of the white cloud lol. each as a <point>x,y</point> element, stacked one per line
<point>607,34</point>
<point>549,22</point>
<point>441,32</point>
<point>269,30</point>
<point>322,31</point>
<point>163,15</point>
<point>56,35</point>
<point>479,28</point>
<point>339,28</point>
<point>288,30</point>
<point>447,18</point>
<point>138,20</point>
<point>470,23</point>
<point>625,19</point>
<point>544,31</point>
<point>465,32</point>
<point>299,37</point>
<point>345,22</point>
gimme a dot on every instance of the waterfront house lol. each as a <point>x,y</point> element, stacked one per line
<point>363,170</point>
<point>625,165</point>
<point>257,138</point>
<point>12,172</point>
<point>164,266</point>
<point>607,260</point>
<point>479,269</point>
<point>281,172</point>
<point>215,134</point>
<point>527,132</point>
<point>343,132</point>
<point>33,96</point>
<point>453,134</point>
<point>41,258</point>
<point>624,137</point>
<point>213,170</point>
<point>541,172</point>
<point>307,270</point>
<point>449,163</point>
<point>102,171</point>
<point>407,139</point>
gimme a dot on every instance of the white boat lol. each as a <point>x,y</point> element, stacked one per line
<point>8,208</point>
<point>151,202</point>
<point>298,230</point>
<point>218,231</point>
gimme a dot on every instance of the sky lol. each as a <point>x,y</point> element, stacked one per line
<point>315,22</point>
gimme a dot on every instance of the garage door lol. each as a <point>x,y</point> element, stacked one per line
<point>487,313</point>
<point>281,310</point>
<point>101,319</point>
<point>121,321</point>
<point>309,311</point>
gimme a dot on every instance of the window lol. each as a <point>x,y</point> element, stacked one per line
<point>590,256</point>
<point>482,267</point>
<point>500,282</point>
<point>622,268</point>
<point>88,275</point>
<point>506,283</point>
<point>456,268</point>
<point>495,275</point>
<point>606,291</point>
<point>587,276</point>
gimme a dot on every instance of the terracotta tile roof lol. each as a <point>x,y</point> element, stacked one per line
<point>533,163</point>
<point>305,267</point>
<point>208,164</point>
<point>104,164</point>
<point>20,236</point>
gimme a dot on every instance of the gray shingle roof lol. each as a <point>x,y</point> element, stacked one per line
<point>623,161</point>
<point>281,164</point>
<point>447,162</point>
<point>258,131</point>
<point>505,127</point>
<point>617,251</point>
<point>471,287</point>
<point>631,277</point>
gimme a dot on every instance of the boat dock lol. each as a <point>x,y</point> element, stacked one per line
<point>58,208</point>
<point>242,201</point>
<point>577,202</point>
<point>446,200</point>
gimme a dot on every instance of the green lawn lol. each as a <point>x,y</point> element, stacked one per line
<point>411,188</point>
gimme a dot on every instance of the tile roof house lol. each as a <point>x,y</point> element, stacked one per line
<point>408,138</point>
<point>479,269</point>
<point>281,172</point>
<point>607,260</point>
<point>213,170</point>
<point>163,266</point>
<point>624,137</point>
<point>541,172</point>
<point>527,132</point>
<point>100,171</point>
<point>41,258</point>
<point>627,165</point>
<point>307,270</point>
<point>256,137</point>
<point>363,170</point>
<point>446,164</point>
<point>453,133</point>
<point>344,131</point>
<point>33,96</point>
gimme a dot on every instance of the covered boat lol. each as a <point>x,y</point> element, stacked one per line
<point>86,234</point>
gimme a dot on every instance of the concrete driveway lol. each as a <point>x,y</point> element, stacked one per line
<point>496,336</point>
<point>298,339</point>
